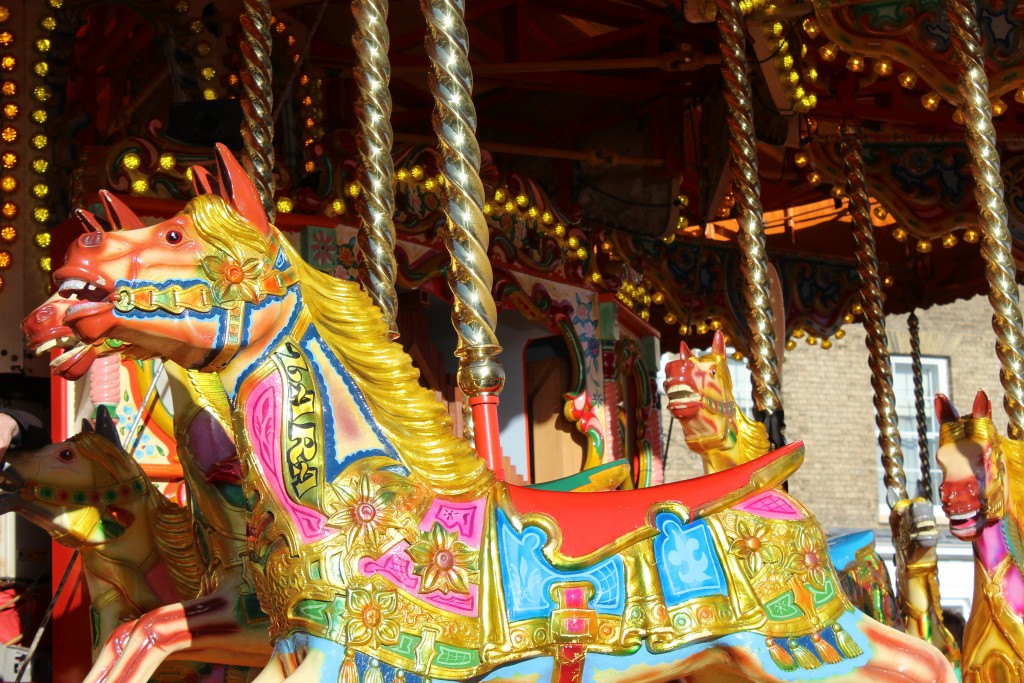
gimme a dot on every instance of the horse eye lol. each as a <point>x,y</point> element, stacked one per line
<point>714,372</point>
<point>173,236</point>
<point>66,455</point>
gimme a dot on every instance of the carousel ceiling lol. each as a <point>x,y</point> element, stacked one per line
<point>604,123</point>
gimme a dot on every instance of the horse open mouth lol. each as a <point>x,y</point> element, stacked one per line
<point>966,525</point>
<point>683,401</point>
<point>92,290</point>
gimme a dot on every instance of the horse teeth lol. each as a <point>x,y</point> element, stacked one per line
<point>72,285</point>
<point>46,346</point>
<point>962,516</point>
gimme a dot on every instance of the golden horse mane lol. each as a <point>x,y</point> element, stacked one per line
<point>411,417</point>
<point>172,524</point>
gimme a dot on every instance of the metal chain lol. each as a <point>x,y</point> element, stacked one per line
<point>874,318</point>
<point>746,186</point>
<point>258,101</point>
<point>1000,271</point>
<point>470,277</point>
<point>374,139</point>
<point>925,485</point>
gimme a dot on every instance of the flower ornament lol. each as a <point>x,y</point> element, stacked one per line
<point>442,561</point>
<point>750,543</point>
<point>233,280</point>
<point>371,617</point>
<point>808,560</point>
<point>363,513</point>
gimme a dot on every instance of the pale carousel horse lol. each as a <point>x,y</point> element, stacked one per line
<point>382,546</point>
<point>202,423</point>
<point>137,547</point>
<point>700,396</point>
<point>982,496</point>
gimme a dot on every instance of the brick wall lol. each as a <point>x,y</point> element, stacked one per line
<point>828,400</point>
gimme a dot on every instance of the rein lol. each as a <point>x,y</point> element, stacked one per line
<point>722,408</point>
<point>107,495</point>
<point>203,298</point>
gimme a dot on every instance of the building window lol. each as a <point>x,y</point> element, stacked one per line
<point>935,373</point>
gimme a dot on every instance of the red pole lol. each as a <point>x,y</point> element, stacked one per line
<point>485,431</point>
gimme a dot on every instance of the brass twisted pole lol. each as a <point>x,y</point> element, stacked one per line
<point>258,101</point>
<point>747,189</point>
<point>1000,271</point>
<point>474,314</point>
<point>874,318</point>
<point>377,170</point>
<point>914,328</point>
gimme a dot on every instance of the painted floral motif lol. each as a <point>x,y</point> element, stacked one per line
<point>371,617</point>
<point>751,543</point>
<point>363,513</point>
<point>442,561</point>
<point>234,281</point>
<point>348,266</point>
<point>806,559</point>
<point>323,248</point>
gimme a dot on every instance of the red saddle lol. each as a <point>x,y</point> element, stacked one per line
<point>596,520</point>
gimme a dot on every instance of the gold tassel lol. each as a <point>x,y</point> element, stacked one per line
<point>804,657</point>
<point>373,674</point>
<point>349,673</point>
<point>825,650</point>
<point>782,659</point>
<point>847,645</point>
<point>399,676</point>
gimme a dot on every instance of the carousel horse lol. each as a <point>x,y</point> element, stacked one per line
<point>981,495</point>
<point>382,546</point>
<point>700,396</point>
<point>207,456</point>
<point>137,547</point>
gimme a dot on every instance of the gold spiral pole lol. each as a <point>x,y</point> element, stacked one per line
<point>377,170</point>
<point>1000,271</point>
<point>258,101</point>
<point>746,186</point>
<point>914,328</point>
<point>874,318</point>
<point>480,376</point>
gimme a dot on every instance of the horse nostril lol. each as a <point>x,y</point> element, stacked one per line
<point>91,239</point>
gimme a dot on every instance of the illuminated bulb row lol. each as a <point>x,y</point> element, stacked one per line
<point>949,240</point>
<point>311,113</point>
<point>202,48</point>
<point>542,220</point>
<point>9,132</point>
<point>796,84</point>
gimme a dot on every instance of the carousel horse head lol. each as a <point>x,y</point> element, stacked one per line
<point>973,492</point>
<point>700,396</point>
<point>83,491</point>
<point>205,267</point>
<point>44,330</point>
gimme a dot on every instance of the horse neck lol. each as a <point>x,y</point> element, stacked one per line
<point>742,441</point>
<point>267,325</point>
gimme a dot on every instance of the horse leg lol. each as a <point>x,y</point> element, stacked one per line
<point>273,672</point>
<point>111,651</point>
<point>205,629</point>
<point>899,658</point>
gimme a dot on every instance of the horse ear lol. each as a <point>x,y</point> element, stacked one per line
<point>89,221</point>
<point>238,189</point>
<point>982,406</point>
<point>87,426</point>
<point>202,181</point>
<point>106,428</point>
<point>944,410</point>
<point>718,343</point>
<point>684,351</point>
<point>118,213</point>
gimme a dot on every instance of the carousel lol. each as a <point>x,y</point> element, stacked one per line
<point>354,317</point>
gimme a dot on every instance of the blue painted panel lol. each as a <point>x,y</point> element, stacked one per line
<point>527,576</point>
<point>687,562</point>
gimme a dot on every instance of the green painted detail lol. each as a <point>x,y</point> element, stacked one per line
<point>455,657</point>
<point>650,351</point>
<point>580,479</point>
<point>233,494</point>
<point>823,595</point>
<point>94,622</point>
<point>608,321</point>
<point>312,610</point>
<point>251,610</point>
<point>783,608</point>
<point>406,646</point>
<point>314,570</point>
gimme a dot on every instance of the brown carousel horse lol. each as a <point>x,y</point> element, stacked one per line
<point>138,550</point>
<point>700,396</point>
